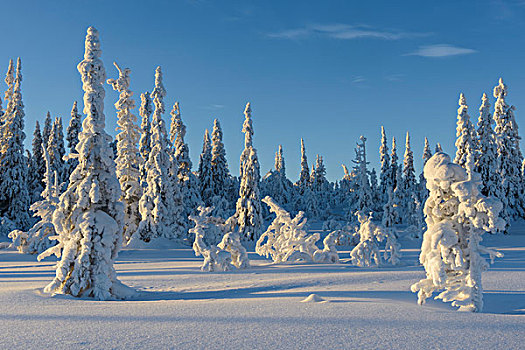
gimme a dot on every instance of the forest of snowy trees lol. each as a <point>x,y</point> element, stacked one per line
<point>103,193</point>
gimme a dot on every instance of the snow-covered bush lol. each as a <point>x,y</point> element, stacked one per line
<point>456,215</point>
<point>329,252</point>
<point>231,243</point>
<point>286,240</point>
<point>228,254</point>
<point>366,253</point>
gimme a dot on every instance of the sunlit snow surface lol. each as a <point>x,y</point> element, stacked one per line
<point>181,307</point>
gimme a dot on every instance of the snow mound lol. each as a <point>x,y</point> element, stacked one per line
<point>314,298</point>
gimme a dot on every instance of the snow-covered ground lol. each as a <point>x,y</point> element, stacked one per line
<point>180,307</point>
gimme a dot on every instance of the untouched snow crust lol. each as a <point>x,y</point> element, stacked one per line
<point>180,307</point>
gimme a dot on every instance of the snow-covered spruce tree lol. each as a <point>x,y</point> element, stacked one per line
<point>188,182</point>
<point>464,132</point>
<point>38,155</point>
<point>304,176</point>
<point>457,215</point>
<point>385,179</point>
<point>34,182</point>
<point>409,186</point>
<point>205,171</point>
<point>393,164</point>
<point>276,185</point>
<point>161,203</point>
<point>364,191</point>
<point>510,159</point>
<point>304,197</point>
<point>48,128</point>
<point>438,148</point>
<point>145,111</point>
<point>486,150</point>
<point>56,150</point>
<point>128,161</point>
<point>224,194</point>
<point>366,253</point>
<point>89,216</point>
<point>36,240</point>
<point>320,187</point>
<point>14,194</point>
<point>74,128</point>
<point>10,82</point>
<point>247,219</point>
<point>423,192</point>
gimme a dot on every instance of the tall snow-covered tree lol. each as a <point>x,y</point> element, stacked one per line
<point>276,185</point>
<point>10,82</point>
<point>456,215</point>
<point>423,191</point>
<point>14,194</point>
<point>161,202</point>
<point>304,176</point>
<point>219,164</point>
<point>38,154</point>
<point>145,111</point>
<point>34,182</point>
<point>73,130</point>
<point>89,216</point>
<point>486,150</point>
<point>509,156</point>
<point>56,150</point>
<point>188,182</point>
<point>409,190</point>
<point>464,132</point>
<point>393,164</point>
<point>364,194</point>
<point>48,128</point>
<point>385,179</point>
<point>247,219</point>
<point>205,171</point>
<point>128,161</point>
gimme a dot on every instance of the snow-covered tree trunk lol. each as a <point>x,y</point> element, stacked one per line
<point>457,215</point>
<point>128,161</point>
<point>89,217</point>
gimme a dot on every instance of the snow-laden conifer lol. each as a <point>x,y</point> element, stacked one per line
<point>385,180</point>
<point>48,128</point>
<point>73,130</point>
<point>304,176</point>
<point>364,194</point>
<point>188,182</point>
<point>408,187</point>
<point>224,191</point>
<point>145,111</point>
<point>10,82</point>
<point>464,132</point>
<point>205,171</point>
<point>486,150</point>
<point>438,148</point>
<point>276,185</point>
<point>89,216</point>
<point>247,219</point>
<point>457,215</point>
<point>38,155</point>
<point>510,158</point>
<point>56,150</point>
<point>14,194</point>
<point>393,164</point>
<point>34,182</point>
<point>423,192</point>
<point>161,203</point>
<point>128,161</point>
<point>36,240</point>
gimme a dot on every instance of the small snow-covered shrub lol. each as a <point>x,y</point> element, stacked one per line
<point>366,253</point>
<point>329,252</point>
<point>456,215</point>
<point>229,253</point>
<point>286,240</point>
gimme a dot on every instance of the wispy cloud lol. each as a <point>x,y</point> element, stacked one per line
<point>213,107</point>
<point>440,50</point>
<point>358,79</point>
<point>395,77</point>
<point>344,32</point>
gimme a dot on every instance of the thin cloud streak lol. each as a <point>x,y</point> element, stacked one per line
<point>440,50</point>
<point>344,32</point>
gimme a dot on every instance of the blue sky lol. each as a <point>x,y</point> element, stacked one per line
<point>327,71</point>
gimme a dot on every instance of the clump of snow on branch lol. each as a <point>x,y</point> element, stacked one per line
<point>457,215</point>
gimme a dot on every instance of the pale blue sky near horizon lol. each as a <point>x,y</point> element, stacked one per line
<point>326,71</point>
